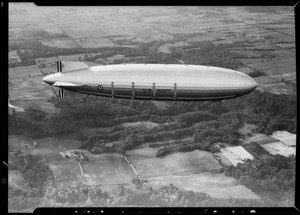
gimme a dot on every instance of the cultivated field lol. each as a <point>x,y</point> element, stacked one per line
<point>280,142</point>
<point>285,137</point>
<point>15,179</point>
<point>279,148</point>
<point>236,154</point>
<point>165,48</point>
<point>23,85</point>
<point>268,45</point>
<point>215,185</point>
<point>195,170</point>
<point>260,139</point>
<point>148,125</point>
<point>247,129</point>
<point>267,33</point>
<point>175,164</point>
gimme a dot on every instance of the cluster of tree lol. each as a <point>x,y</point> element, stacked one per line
<point>21,200</point>
<point>257,151</point>
<point>167,196</point>
<point>270,111</point>
<point>257,9</point>
<point>125,42</point>
<point>205,130</point>
<point>207,53</point>
<point>256,73</point>
<point>39,33</point>
<point>21,125</point>
<point>34,171</point>
<point>32,48</point>
<point>106,52</point>
<point>225,129</point>
<point>203,53</point>
<point>207,122</point>
<point>29,50</point>
<point>273,176</point>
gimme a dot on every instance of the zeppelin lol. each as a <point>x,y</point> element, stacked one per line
<point>151,81</point>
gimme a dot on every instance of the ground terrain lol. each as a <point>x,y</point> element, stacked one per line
<point>269,47</point>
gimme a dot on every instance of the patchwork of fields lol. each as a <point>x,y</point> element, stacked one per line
<point>268,40</point>
<point>280,142</point>
<point>269,37</point>
<point>197,170</point>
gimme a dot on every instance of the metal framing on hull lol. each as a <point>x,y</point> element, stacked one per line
<point>173,95</point>
<point>155,82</point>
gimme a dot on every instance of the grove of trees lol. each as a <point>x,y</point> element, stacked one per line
<point>206,122</point>
<point>273,177</point>
<point>92,196</point>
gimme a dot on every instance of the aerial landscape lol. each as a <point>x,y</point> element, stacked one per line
<point>112,152</point>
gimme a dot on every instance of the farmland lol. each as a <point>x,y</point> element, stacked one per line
<point>268,40</point>
<point>198,147</point>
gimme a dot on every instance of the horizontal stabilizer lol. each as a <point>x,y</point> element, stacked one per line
<point>73,65</point>
<point>67,84</point>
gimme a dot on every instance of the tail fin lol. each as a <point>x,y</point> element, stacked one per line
<point>65,66</point>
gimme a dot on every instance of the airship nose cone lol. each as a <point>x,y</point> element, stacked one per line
<point>245,81</point>
<point>250,82</point>
<point>51,79</point>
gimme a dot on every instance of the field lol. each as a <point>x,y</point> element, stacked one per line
<point>215,185</point>
<point>16,180</point>
<point>236,154</point>
<point>27,80</point>
<point>148,125</point>
<point>165,48</point>
<point>106,169</point>
<point>277,88</point>
<point>60,43</point>
<point>276,67</point>
<point>261,80</point>
<point>260,139</point>
<point>279,148</point>
<point>280,142</point>
<point>197,170</point>
<point>285,137</point>
<point>268,40</point>
<point>247,129</point>
<point>93,27</point>
<point>175,164</point>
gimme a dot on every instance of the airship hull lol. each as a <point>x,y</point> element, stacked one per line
<point>156,82</point>
<point>147,93</point>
